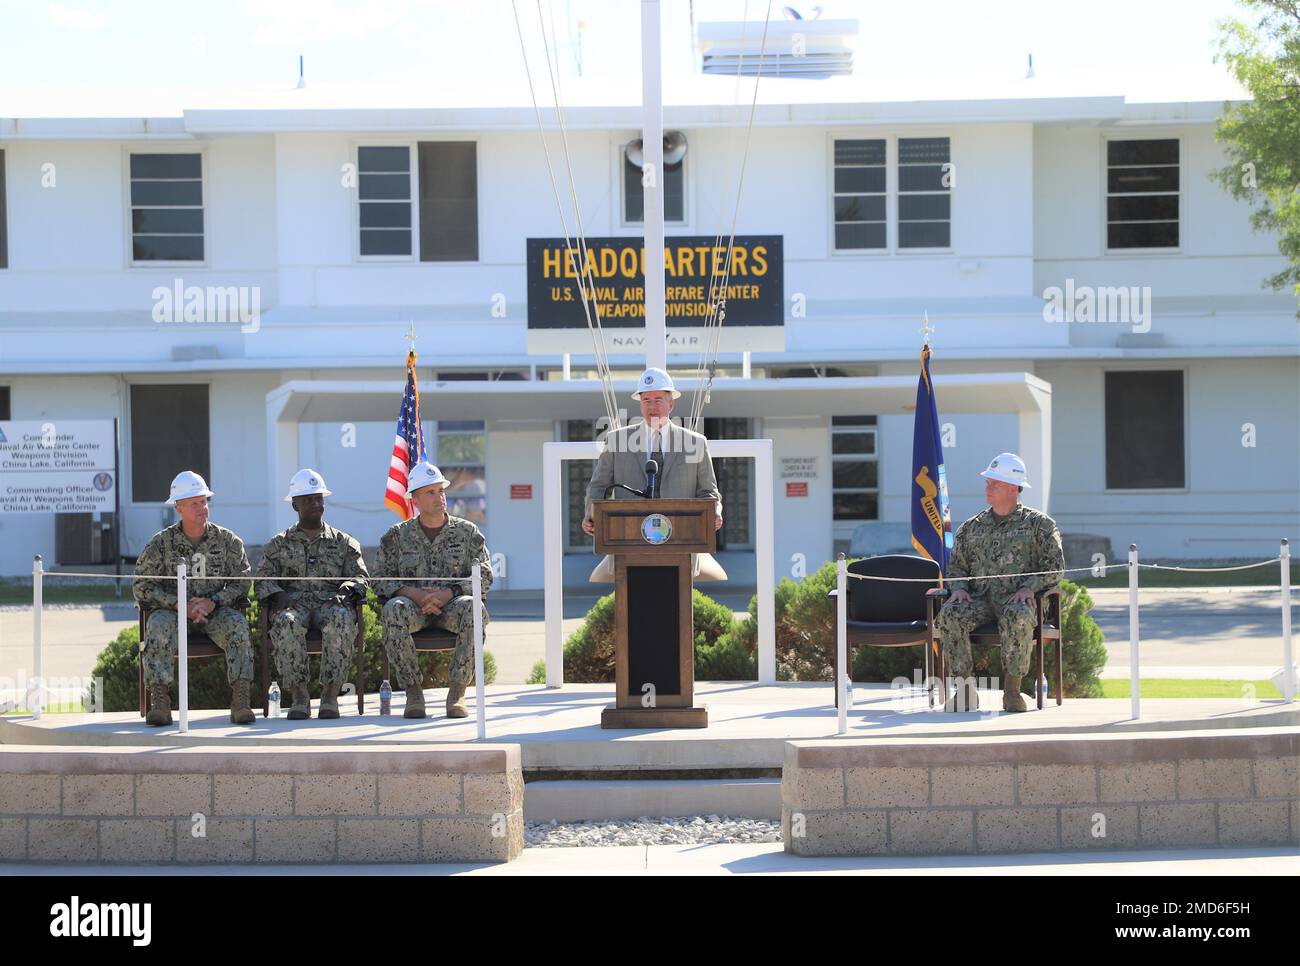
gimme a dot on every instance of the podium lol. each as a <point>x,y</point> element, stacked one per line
<point>651,542</point>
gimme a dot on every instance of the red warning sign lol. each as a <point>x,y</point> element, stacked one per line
<point>796,489</point>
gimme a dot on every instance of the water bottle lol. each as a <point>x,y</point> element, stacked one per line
<point>273,699</point>
<point>385,698</point>
<point>1042,685</point>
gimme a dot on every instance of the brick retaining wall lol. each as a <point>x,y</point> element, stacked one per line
<point>894,796</point>
<point>139,805</point>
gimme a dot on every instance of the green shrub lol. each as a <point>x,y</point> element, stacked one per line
<point>589,651</point>
<point>805,640</point>
<point>119,663</point>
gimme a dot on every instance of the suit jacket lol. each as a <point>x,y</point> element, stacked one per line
<point>687,470</point>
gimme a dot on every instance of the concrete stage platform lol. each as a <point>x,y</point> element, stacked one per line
<point>559,729</point>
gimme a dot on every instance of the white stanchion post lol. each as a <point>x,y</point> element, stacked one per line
<point>182,649</point>
<point>480,689</point>
<point>38,657</point>
<point>841,642</point>
<point>1288,655</point>
<point>1135,677</point>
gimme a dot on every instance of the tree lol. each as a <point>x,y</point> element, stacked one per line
<point>1262,136</point>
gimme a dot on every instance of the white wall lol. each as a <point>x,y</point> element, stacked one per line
<point>803,524</point>
<point>1239,501</point>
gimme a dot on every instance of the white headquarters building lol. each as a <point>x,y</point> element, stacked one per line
<point>1095,302</point>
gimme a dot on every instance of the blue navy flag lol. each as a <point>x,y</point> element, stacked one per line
<point>408,447</point>
<point>931,517</point>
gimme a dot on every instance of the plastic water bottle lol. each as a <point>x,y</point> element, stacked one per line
<point>1042,686</point>
<point>273,699</point>
<point>385,698</point>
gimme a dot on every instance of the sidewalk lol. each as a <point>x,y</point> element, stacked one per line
<point>766,859</point>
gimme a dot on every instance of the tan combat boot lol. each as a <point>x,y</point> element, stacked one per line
<point>160,706</point>
<point>456,701</point>
<point>329,701</point>
<point>965,698</point>
<point>240,712</point>
<point>301,707</point>
<point>414,703</point>
<point>1012,699</point>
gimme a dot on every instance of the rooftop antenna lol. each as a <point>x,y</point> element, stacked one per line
<point>1030,74</point>
<point>302,81</point>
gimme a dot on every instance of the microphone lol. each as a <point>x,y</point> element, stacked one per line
<point>651,479</point>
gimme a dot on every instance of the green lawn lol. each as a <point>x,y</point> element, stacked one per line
<point>1268,574</point>
<point>1190,688</point>
<point>67,707</point>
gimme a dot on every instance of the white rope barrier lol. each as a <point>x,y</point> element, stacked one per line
<point>1073,570</point>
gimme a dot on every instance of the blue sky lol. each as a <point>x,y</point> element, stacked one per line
<point>213,42</point>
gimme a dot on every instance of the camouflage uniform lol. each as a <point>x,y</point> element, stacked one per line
<point>405,551</point>
<point>218,554</point>
<point>1023,541</point>
<point>313,603</point>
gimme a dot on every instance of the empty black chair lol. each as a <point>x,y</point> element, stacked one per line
<point>889,613</point>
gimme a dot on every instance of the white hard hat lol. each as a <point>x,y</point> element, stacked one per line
<point>186,485</point>
<point>306,483</point>
<point>655,380</point>
<point>425,474</point>
<point>1007,468</point>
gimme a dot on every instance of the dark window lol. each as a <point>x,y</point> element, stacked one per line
<point>855,486</point>
<point>735,483</point>
<point>859,193</point>
<point>1144,430</point>
<point>674,185</point>
<point>577,474</point>
<point>448,201</point>
<point>166,207</point>
<point>4,403</point>
<point>4,233</point>
<point>169,433</point>
<point>384,199</point>
<point>924,195</point>
<point>1142,194</point>
<point>461,454</point>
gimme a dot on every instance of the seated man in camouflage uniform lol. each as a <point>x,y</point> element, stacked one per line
<point>431,544</point>
<point>218,573</point>
<point>1007,538</point>
<point>312,548</point>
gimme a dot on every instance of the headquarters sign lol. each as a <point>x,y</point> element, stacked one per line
<point>613,274</point>
<point>58,466</point>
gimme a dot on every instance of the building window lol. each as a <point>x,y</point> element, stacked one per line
<point>859,195</point>
<point>4,221</point>
<point>4,403</point>
<point>461,454</point>
<point>735,483</point>
<point>1142,194</point>
<point>166,207</point>
<point>384,200</point>
<point>855,494</point>
<point>448,201</point>
<point>674,184</point>
<point>1145,444</point>
<point>169,433</point>
<point>924,195</point>
<point>577,474</point>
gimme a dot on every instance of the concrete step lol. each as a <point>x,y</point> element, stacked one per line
<point>579,801</point>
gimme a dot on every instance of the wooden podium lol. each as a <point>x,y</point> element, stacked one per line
<point>654,632</point>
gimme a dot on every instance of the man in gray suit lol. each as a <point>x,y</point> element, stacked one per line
<point>685,469</point>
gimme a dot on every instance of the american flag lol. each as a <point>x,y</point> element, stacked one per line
<point>408,447</point>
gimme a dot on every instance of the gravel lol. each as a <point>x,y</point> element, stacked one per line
<point>686,830</point>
